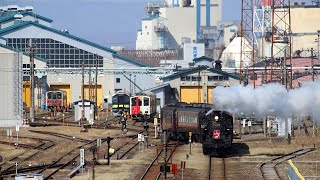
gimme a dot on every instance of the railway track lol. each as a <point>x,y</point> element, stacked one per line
<point>26,155</point>
<point>123,152</point>
<point>64,161</point>
<point>152,171</point>
<point>217,171</point>
<point>64,136</point>
<point>269,170</point>
<point>23,157</point>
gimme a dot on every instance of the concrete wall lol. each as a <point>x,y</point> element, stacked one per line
<point>306,22</point>
<point>147,38</point>
<point>181,22</point>
<point>10,88</point>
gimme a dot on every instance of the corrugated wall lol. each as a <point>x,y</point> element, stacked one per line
<point>10,89</point>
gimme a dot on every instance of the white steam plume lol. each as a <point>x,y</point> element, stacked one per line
<point>270,99</point>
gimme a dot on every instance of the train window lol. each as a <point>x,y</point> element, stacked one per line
<point>49,96</point>
<point>121,99</point>
<point>126,99</point>
<point>146,101</point>
<point>115,100</point>
<point>59,95</point>
<point>53,96</point>
<point>140,102</point>
<point>133,101</point>
<point>117,80</point>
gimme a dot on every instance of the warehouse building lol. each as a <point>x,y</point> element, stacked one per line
<point>66,53</point>
<point>195,85</point>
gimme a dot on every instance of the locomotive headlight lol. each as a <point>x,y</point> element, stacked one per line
<point>216,118</point>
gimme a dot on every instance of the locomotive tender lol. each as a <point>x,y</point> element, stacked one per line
<point>212,128</point>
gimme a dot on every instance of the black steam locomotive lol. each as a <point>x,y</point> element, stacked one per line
<point>214,129</point>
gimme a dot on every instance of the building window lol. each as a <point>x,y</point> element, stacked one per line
<point>117,80</point>
<point>218,78</point>
<point>196,78</point>
<point>57,53</point>
<point>147,33</point>
<point>158,101</point>
<point>145,27</point>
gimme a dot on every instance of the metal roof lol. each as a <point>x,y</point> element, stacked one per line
<point>200,68</point>
<point>203,58</point>
<point>6,16</point>
<point>158,87</point>
<point>29,23</point>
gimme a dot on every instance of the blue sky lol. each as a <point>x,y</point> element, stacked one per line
<point>107,22</point>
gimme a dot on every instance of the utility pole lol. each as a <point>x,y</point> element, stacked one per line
<point>318,45</point>
<point>90,95</point>
<point>82,109</point>
<point>165,153</point>
<point>32,51</point>
<point>96,89</point>
<point>312,63</point>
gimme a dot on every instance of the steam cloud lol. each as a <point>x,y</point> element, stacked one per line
<point>270,99</point>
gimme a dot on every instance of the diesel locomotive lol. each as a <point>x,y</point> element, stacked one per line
<point>212,128</point>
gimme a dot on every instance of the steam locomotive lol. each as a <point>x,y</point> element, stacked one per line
<point>212,128</point>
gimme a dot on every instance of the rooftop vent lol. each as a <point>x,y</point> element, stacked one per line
<point>218,64</point>
<point>18,16</point>
<point>28,8</point>
<point>303,3</point>
<point>13,8</point>
<point>296,3</point>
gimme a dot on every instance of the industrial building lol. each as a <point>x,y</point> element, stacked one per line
<point>13,65</point>
<point>196,84</point>
<point>172,23</point>
<point>65,54</point>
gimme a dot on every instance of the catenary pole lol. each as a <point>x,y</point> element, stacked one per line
<point>32,113</point>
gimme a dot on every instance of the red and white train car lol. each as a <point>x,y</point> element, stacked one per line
<point>143,106</point>
<point>56,99</point>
